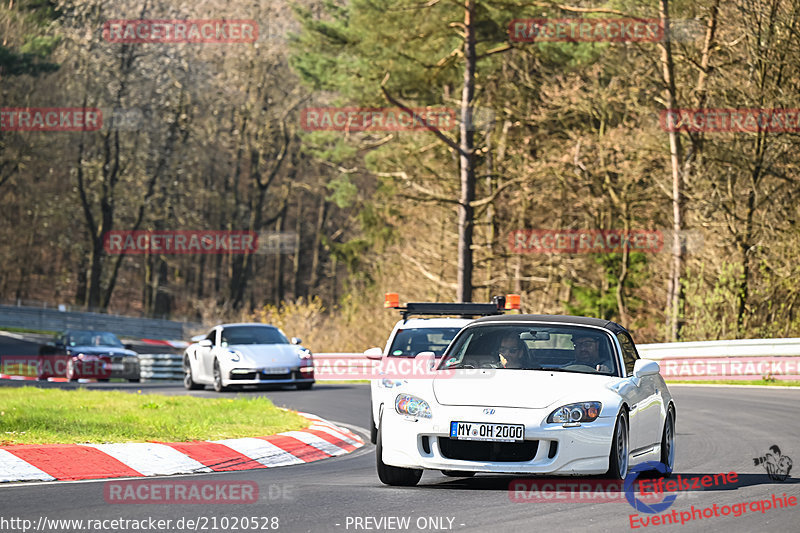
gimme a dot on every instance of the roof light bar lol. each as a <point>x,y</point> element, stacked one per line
<point>466,309</point>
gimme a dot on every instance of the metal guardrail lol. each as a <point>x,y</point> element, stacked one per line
<point>123,326</point>
<point>161,366</point>
<point>731,348</point>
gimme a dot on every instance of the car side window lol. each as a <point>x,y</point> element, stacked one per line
<point>212,336</point>
<point>629,354</point>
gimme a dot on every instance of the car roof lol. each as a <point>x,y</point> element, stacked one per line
<point>91,331</point>
<point>557,319</point>
<point>245,324</point>
<point>439,322</point>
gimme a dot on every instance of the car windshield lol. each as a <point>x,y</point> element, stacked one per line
<point>409,342</point>
<point>252,335</point>
<point>533,347</point>
<point>93,338</point>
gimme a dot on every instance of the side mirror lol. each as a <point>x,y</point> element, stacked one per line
<point>644,367</point>
<point>374,354</point>
<point>197,338</point>
<point>428,359</point>
<point>205,343</point>
<point>295,340</point>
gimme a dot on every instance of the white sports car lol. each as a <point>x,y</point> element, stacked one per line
<point>536,394</point>
<point>246,354</point>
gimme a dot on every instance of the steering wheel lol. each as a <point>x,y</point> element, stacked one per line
<point>579,367</point>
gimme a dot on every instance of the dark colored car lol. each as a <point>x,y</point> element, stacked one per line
<point>77,354</point>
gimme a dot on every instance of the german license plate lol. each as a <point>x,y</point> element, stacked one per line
<point>275,370</point>
<point>489,432</point>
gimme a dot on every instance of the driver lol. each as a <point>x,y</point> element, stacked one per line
<point>587,352</point>
<point>512,351</point>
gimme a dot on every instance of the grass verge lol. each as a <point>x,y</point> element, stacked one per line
<point>28,330</point>
<point>30,415</point>
<point>739,382</point>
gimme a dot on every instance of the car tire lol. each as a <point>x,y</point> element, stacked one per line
<point>134,380</point>
<point>373,430</point>
<point>304,386</point>
<point>218,386</point>
<point>394,475</point>
<point>619,456</point>
<point>668,443</point>
<point>457,473</point>
<point>188,382</point>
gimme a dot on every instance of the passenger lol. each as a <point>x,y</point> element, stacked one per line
<point>512,352</point>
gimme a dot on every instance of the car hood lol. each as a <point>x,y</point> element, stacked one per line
<point>268,355</point>
<point>100,350</point>
<point>531,389</point>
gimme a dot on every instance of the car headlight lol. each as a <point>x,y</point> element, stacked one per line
<point>235,356</point>
<point>405,404</point>
<point>391,383</point>
<point>575,412</point>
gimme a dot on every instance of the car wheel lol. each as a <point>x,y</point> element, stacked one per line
<point>188,382</point>
<point>457,473</point>
<point>618,457</point>
<point>71,374</point>
<point>218,386</point>
<point>394,475</point>
<point>134,380</point>
<point>668,443</point>
<point>304,386</point>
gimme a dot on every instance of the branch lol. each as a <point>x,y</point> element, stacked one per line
<point>447,140</point>
<point>572,9</point>
<point>491,198</point>
<point>433,277</point>
<point>433,195</point>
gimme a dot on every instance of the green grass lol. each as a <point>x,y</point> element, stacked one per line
<point>737,382</point>
<point>31,415</point>
<point>28,330</point>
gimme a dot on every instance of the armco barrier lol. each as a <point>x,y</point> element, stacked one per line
<point>123,326</point>
<point>160,366</point>
<point>745,359</point>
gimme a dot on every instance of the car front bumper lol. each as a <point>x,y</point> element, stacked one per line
<point>547,448</point>
<point>249,376</point>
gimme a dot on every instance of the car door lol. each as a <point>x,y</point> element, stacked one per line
<point>646,408</point>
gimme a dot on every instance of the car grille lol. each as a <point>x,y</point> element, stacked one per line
<point>504,452</point>
<point>271,377</point>
<point>261,376</point>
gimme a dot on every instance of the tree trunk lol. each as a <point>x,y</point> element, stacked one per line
<point>466,161</point>
<point>675,294</point>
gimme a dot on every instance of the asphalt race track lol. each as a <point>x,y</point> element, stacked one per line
<point>719,430</point>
